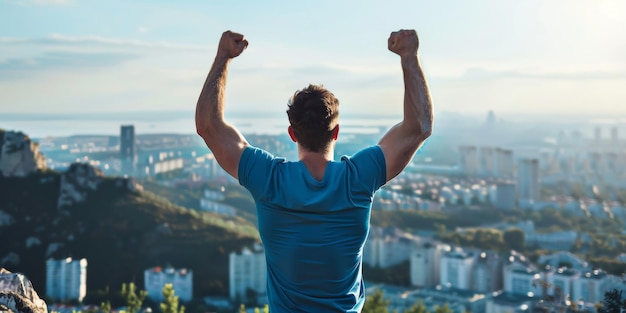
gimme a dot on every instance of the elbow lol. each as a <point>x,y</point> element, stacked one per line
<point>425,130</point>
<point>426,133</point>
<point>203,130</point>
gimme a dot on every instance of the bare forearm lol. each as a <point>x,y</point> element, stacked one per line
<point>418,114</point>
<point>210,106</point>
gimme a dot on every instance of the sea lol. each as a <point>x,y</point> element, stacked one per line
<point>65,125</point>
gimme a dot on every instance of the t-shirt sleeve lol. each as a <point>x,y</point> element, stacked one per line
<point>254,169</point>
<point>371,167</point>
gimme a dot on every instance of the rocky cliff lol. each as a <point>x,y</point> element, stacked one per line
<point>17,294</point>
<point>19,156</point>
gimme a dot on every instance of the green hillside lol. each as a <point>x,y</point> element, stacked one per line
<point>121,233</point>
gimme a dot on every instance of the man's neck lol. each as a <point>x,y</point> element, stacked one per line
<point>316,162</point>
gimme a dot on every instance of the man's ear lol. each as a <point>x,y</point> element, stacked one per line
<point>336,132</point>
<point>292,135</point>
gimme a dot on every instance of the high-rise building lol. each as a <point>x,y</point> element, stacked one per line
<point>66,279</point>
<point>487,161</point>
<point>597,137</point>
<point>247,271</point>
<point>456,269</point>
<point>468,160</point>
<point>154,279</point>
<point>528,187</point>
<point>425,261</point>
<point>503,163</point>
<point>128,151</point>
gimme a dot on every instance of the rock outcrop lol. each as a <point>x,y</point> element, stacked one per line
<point>19,156</point>
<point>18,295</point>
<point>76,182</point>
<point>82,178</point>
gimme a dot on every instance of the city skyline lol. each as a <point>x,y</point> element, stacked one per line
<point>530,57</point>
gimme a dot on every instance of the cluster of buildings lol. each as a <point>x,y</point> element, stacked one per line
<point>464,279</point>
<point>66,281</point>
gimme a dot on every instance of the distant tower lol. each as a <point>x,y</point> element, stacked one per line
<point>128,151</point>
<point>528,181</point>
<point>597,134</point>
<point>490,122</point>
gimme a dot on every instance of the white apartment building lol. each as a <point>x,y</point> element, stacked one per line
<point>520,279</point>
<point>590,286</point>
<point>66,279</point>
<point>425,261</point>
<point>387,247</point>
<point>487,273</point>
<point>562,282</point>
<point>181,279</point>
<point>247,270</point>
<point>456,269</point>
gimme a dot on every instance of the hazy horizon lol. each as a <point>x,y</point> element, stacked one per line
<point>59,124</point>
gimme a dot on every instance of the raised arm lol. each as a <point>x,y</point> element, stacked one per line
<point>226,143</point>
<point>401,142</point>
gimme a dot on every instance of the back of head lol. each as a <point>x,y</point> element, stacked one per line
<point>313,114</point>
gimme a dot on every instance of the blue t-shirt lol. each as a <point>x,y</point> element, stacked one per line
<point>313,231</point>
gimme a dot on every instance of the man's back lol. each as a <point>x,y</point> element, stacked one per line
<point>313,230</point>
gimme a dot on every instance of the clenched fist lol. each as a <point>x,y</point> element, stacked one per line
<point>403,42</point>
<point>231,45</point>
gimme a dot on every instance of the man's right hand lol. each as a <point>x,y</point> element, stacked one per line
<point>403,42</point>
<point>231,45</point>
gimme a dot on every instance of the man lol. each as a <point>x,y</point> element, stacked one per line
<point>313,214</point>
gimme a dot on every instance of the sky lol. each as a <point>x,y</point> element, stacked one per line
<point>513,57</point>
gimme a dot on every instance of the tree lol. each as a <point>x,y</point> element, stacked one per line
<point>375,303</point>
<point>105,307</point>
<point>514,239</point>
<point>132,299</point>
<point>443,309</point>
<point>170,301</point>
<point>419,307</point>
<point>612,302</point>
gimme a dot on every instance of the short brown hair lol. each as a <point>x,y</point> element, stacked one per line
<point>313,114</point>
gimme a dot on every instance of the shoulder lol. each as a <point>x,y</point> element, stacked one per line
<point>368,154</point>
<point>368,166</point>
<point>255,153</point>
